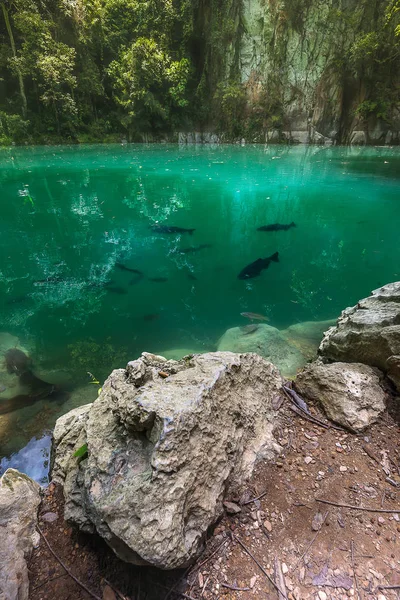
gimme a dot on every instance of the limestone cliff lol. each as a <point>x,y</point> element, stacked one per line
<point>301,70</point>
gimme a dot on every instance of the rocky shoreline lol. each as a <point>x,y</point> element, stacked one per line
<point>150,463</point>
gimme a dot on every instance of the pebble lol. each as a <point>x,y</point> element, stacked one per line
<point>232,508</point>
<point>49,517</point>
<point>268,526</point>
<point>381,597</point>
<point>284,568</point>
<point>381,520</point>
<point>322,595</point>
<point>308,459</point>
<point>343,469</point>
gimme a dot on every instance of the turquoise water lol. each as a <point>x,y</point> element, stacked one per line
<point>69,214</point>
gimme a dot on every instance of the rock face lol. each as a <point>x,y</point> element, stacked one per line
<point>19,501</point>
<point>369,333</point>
<point>288,349</point>
<point>350,393</point>
<point>164,450</point>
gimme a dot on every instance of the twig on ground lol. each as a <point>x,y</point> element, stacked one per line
<point>235,588</point>
<point>196,567</point>
<point>256,561</point>
<point>205,585</point>
<point>302,413</point>
<point>378,510</point>
<point>254,499</point>
<point>353,566</point>
<point>296,398</point>
<point>280,578</point>
<point>309,546</point>
<point>371,454</point>
<point>307,417</point>
<point>82,585</point>
<point>388,587</point>
<point>392,482</point>
<point>48,581</point>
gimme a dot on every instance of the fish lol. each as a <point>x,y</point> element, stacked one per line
<point>192,277</point>
<point>158,279</point>
<point>254,316</point>
<point>122,267</point>
<point>254,269</point>
<point>276,227</point>
<point>194,249</point>
<point>115,289</point>
<point>171,229</point>
<point>248,329</point>
<point>151,317</point>
<point>18,300</point>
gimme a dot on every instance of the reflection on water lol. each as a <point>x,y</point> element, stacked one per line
<point>33,459</point>
<point>91,273</point>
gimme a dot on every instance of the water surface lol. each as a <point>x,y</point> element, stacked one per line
<point>68,215</point>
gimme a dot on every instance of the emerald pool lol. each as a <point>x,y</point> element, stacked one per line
<point>70,215</point>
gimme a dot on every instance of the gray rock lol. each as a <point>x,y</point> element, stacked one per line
<point>19,501</point>
<point>369,332</point>
<point>350,393</point>
<point>163,452</point>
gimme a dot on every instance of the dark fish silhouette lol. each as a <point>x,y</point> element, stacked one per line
<point>276,227</point>
<point>254,269</point>
<point>192,277</point>
<point>18,300</point>
<point>170,229</point>
<point>122,267</point>
<point>194,249</point>
<point>115,289</point>
<point>158,279</point>
<point>151,317</point>
<point>248,329</point>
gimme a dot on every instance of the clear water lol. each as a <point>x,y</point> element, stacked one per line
<point>69,214</point>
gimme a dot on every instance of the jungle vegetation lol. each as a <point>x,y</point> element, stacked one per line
<point>103,70</point>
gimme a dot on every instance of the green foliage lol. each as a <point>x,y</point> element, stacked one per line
<point>82,452</point>
<point>231,104</point>
<point>147,84</point>
<point>97,70</point>
<point>13,129</point>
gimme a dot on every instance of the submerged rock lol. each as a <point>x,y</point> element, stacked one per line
<point>369,332</point>
<point>166,442</point>
<point>19,502</point>
<point>288,349</point>
<point>350,393</point>
<point>268,342</point>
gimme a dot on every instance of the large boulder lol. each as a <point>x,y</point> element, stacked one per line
<point>19,502</point>
<point>350,393</point>
<point>166,441</point>
<point>369,332</point>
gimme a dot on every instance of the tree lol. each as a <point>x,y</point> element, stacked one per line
<point>14,53</point>
<point>147,83</point>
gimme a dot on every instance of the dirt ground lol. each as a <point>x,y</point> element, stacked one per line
<point>285,544</point>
